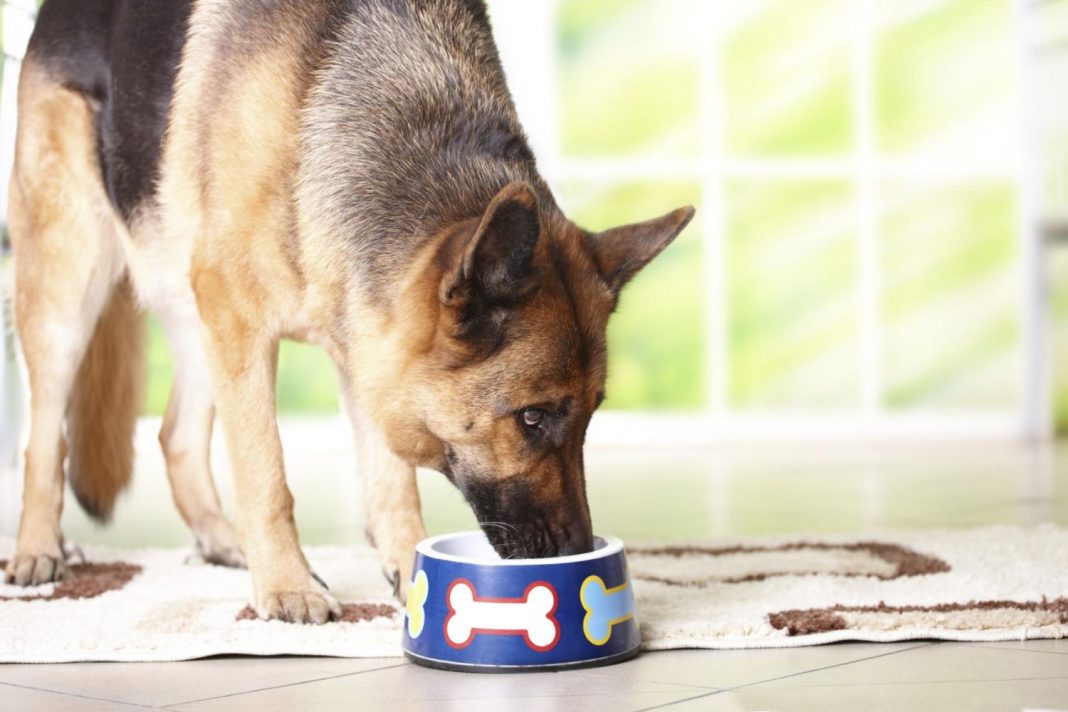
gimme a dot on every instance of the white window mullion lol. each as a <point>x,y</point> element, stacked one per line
<point>526,42</point>
<point>1036,406</point>
<point>866,174</point>
<point>713,214</point>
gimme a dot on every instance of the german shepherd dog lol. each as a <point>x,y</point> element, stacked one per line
<point>348,173</point>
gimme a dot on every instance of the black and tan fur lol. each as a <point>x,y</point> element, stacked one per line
<point>350,173</point>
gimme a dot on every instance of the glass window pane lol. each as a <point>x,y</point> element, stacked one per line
<point>307,381</point>
<point>950,296</point>
<point>786,79</point>
<point>629,78</point>
<point>791,270</point>
<point>158,369</point>
<point>943,79</point>
<point>656,338</point>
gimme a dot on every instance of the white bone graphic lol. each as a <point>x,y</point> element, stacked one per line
<point>532,616</point>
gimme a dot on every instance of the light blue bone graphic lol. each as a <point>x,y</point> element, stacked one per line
<point>605,608</point>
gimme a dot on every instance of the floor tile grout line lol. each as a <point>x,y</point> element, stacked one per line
<point>605,676</point>
<point>710,693</point>
<point>75,694</point>
<point>569,696</point>
<point>602,673</point>
<point>995,646</point>
<point>598,674</point>
<point>831,667</point>
<point>786,677</point>
<point>935,682</point>
<point>288,684</point>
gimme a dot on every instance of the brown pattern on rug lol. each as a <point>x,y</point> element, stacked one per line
<point>904,561</point>
<point>85,580</point>
<point>821,620</point>
<point>350,612</point>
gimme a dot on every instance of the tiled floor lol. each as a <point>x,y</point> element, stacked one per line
<point>637,495</point>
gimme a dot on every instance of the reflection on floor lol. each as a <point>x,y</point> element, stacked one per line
<point>635,494</point>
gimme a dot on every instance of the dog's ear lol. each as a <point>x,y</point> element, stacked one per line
<point>497,264</point>
<point>622,251</point>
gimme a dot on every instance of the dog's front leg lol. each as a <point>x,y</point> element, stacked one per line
<point>391,502</point>
<point>243,367</point>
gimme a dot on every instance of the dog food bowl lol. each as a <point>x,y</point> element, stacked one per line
<point>468,609</point>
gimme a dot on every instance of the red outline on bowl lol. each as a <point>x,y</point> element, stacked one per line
<point>551,615</point>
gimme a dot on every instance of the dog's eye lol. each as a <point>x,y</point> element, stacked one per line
<point>532,417</point>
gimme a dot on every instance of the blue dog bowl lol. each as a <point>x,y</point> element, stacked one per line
<point>468,609</point>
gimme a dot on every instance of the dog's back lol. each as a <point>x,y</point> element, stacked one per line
<point>417,114</point>
<point>124,56</point>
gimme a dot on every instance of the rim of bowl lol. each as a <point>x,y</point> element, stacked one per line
<point>427,547</point>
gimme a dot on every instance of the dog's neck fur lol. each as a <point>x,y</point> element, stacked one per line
<point>423,140</point>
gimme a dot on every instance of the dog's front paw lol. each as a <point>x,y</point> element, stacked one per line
<point>33,569</point>
<point>39,557</point>
<point>308,606</point>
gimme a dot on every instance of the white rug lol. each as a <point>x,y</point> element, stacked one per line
<point>999,583</point>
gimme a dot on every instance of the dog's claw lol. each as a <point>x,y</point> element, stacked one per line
<point>73,553</point>
<point>231,558</point>
<point>216,543</point>
<point>320,580</point>
<point>393,577</point>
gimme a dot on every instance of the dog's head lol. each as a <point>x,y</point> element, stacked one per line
<point>515,365</point>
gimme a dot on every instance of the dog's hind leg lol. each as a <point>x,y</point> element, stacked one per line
<point>68,261</point>
<point>186,441</point>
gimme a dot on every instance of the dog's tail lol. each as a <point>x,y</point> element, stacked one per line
<point>104,404</point>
